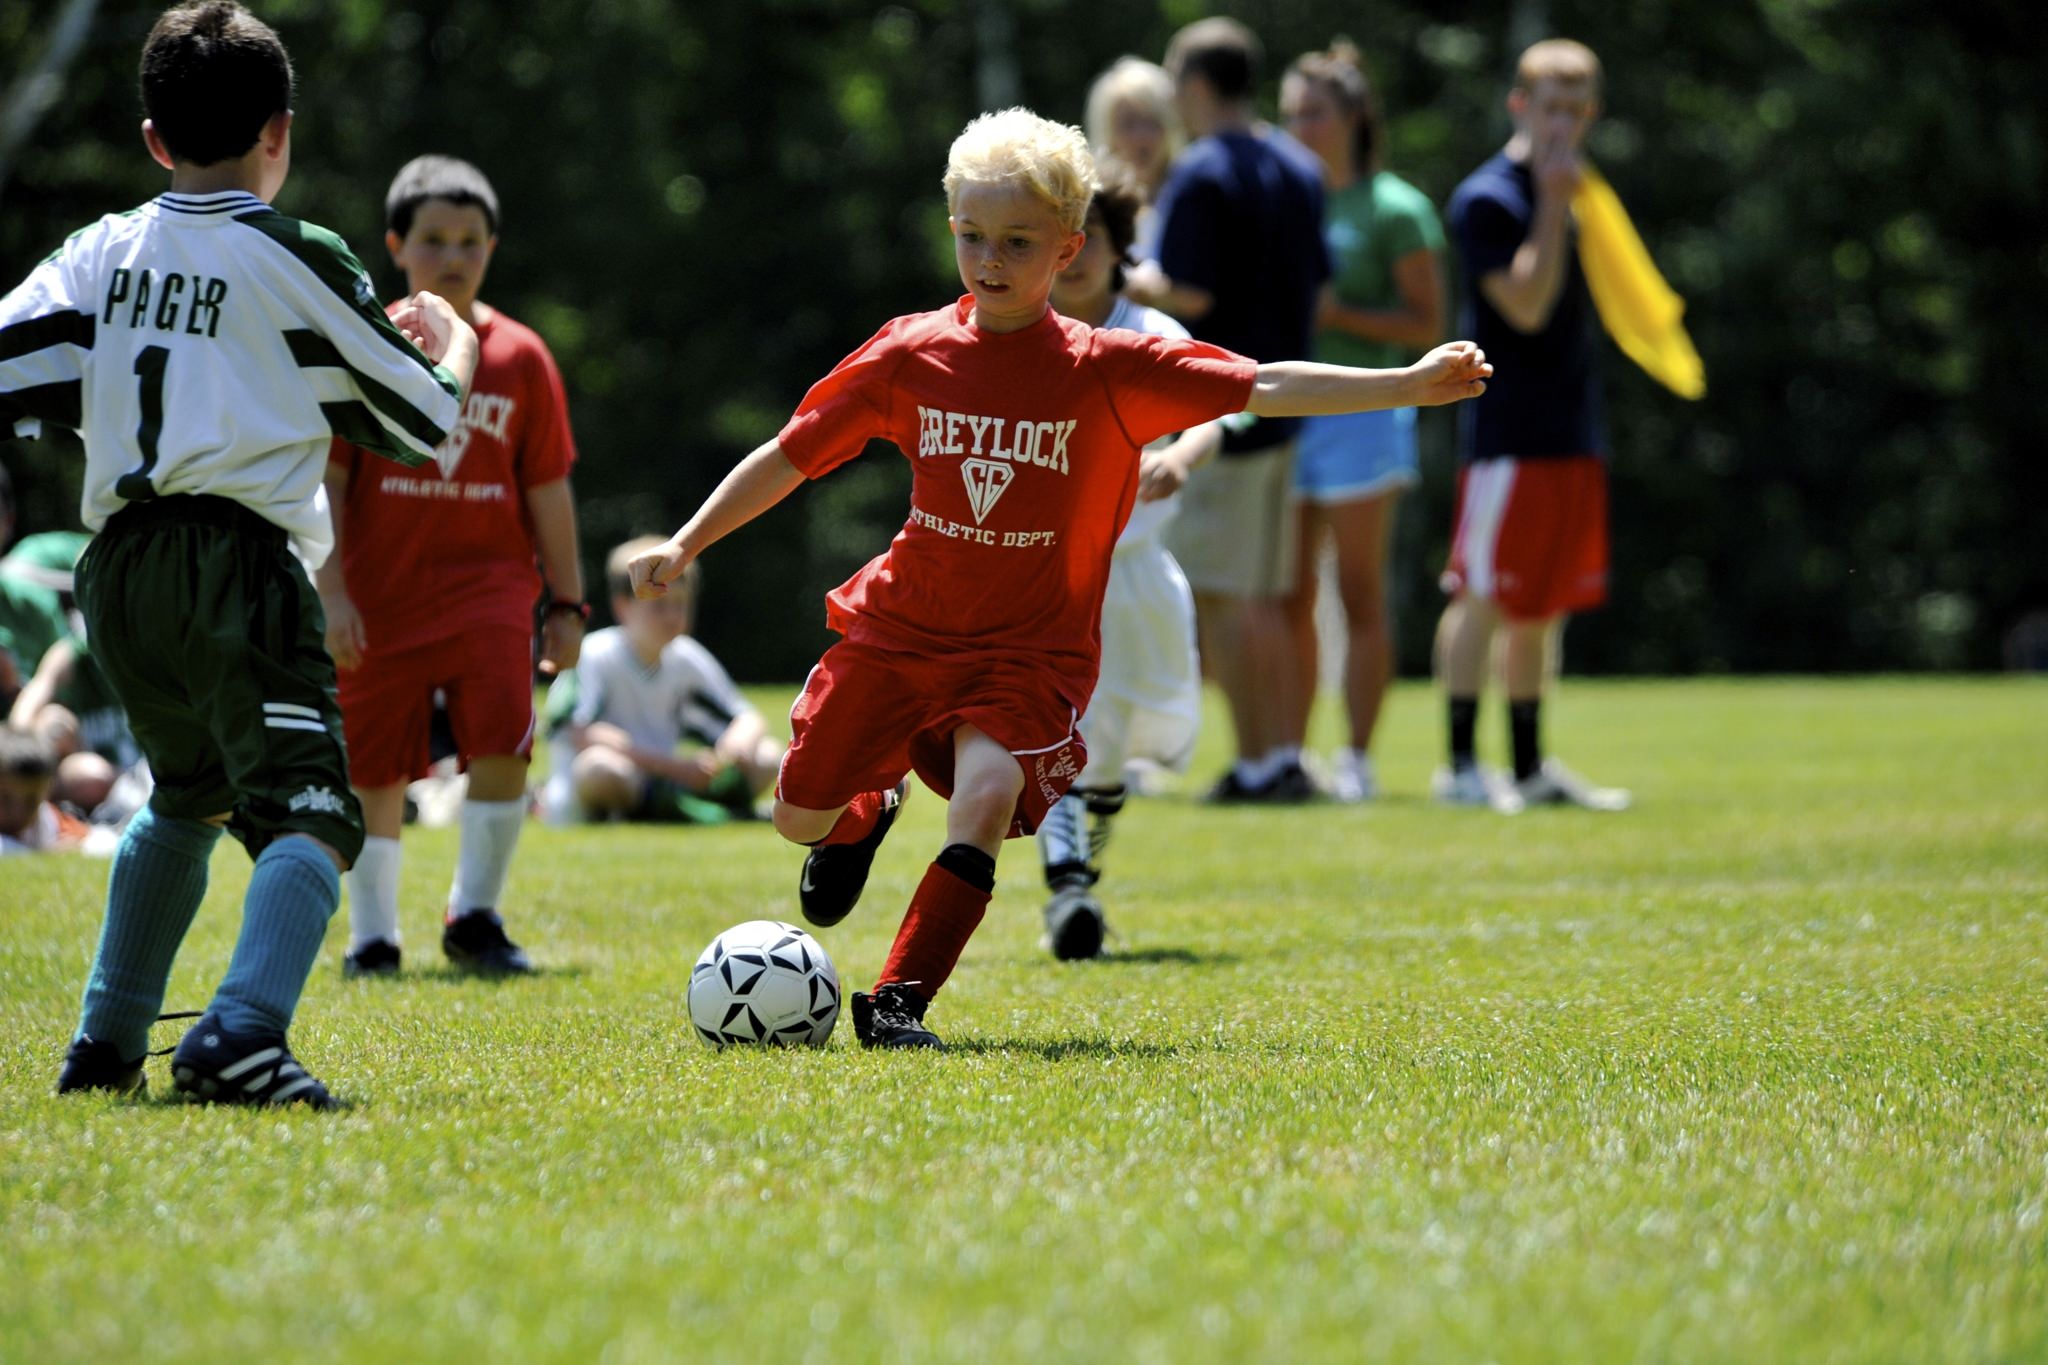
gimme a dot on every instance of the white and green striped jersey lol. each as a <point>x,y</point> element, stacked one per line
<point>209,344</point>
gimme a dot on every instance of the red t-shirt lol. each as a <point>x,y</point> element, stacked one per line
<point>1024,451</point>
<point>428,553</point>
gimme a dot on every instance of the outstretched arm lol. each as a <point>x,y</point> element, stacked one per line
<point>1302,388</point>
<point>756,484</point>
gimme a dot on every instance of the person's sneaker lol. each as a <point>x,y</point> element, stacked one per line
<point>243,1068</point>
<point>1352,778</point>
<point>1291,786</point>
<point>475,941</point>
<point>892,1017</point>
<point>1475,786</point>
<point>1074,925</point>
<point>1233,790</point>
<point>1556,785</point>
<point>378,957</point>
<point>90,1064</point>
<point>836,874</point>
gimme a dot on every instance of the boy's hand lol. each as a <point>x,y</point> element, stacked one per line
<point>429,322</point>
<point>1160,475</point>
<point>561,641</point>
<point>346,639</point>
<point>1454,370</point>
<point>654,570</point>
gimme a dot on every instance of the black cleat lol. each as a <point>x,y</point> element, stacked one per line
<point>836,874</point>
<point>1232,790</point>
<point>1291,786</point>
<point>378,957</point>
<point>92,1065</point>
<point>1074,925</point>
<point>892,1017</point>
<point>476,942</point>
<point>235,1068</point>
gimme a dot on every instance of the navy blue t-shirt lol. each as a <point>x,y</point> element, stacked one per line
<point>1241,217</point>
<point>1544,397</point>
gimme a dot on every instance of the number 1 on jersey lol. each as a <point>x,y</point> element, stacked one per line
<point>149,368</point>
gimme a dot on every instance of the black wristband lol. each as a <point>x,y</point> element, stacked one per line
<point>581,610</point>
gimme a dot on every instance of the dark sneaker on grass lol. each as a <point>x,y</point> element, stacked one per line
<point>378,957</point>
<point>476,942</point>
<point>836,874</point>
<point>243,1068</point>
<point>1232,790</point>
<point>1074,925</point>
<point>93,1065</point>
<point>892,1017</point>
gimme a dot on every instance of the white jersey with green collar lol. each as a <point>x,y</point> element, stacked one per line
<point>208,344</point>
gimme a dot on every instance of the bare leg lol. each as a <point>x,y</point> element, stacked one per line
<point>1227,648</point>
<point>1364,536</point>
<point>1298,610</point>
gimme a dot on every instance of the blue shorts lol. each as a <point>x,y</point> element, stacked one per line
<point>1358,455</point>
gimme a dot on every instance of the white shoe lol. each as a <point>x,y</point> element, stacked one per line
<point>1556,785</point>
<point>1475,786</point>
<point>1352,778</point>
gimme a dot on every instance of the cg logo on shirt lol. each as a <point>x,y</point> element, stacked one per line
<point>985,480</point>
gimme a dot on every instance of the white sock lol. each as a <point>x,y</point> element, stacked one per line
<point>373,893</point>
<point>1281,757</point>
<point>490,831</point>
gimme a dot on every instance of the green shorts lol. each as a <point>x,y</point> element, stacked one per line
<point>212,638</point>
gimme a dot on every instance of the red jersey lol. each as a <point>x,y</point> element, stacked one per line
<point>1023,448</point>
<point>428,553</point>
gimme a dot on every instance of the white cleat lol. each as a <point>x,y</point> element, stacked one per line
<point>1352,778</point>
<point>1475,786</point>
<point>1556,785</point>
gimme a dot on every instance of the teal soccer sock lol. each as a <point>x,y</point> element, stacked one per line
<point>292,895</point>
<point>154,890</point>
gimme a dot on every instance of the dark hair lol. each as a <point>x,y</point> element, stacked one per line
<point>437,177</point>
<point>1341,71</point>
<point>1119,199</point>
<point>24,753</point>
<point>212,75</point>
<point>1222,52</point>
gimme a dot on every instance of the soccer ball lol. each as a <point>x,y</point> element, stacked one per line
<point>764,982</point>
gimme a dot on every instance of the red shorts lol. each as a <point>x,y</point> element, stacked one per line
<point>1532,535</point>
<point>387,704</point>
<point>867,716</point>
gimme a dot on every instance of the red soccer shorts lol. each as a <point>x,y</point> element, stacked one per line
<point>1532,535</point>
<point>387,704</point>
<point>867,716</point>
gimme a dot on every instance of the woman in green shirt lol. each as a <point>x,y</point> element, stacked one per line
<point>1383,306</point>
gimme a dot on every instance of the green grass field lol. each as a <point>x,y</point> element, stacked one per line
<point>1758,1071</point>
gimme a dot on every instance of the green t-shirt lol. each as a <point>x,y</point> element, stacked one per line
<point>1369,225</point>
<point>31,620</point>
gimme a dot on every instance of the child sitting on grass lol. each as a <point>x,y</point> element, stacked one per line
<point>642,687</point>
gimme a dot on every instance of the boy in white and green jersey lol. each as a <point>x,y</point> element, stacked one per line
<point>208,348</point>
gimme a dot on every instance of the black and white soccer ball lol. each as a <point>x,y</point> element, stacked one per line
<point>764,982</point>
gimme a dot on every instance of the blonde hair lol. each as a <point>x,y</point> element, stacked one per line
<point>1132,80</point>
<point>1017,146</point>
<point>1557,59</point>
<point>618,572</point>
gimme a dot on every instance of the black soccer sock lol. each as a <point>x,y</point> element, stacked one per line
<point>1464,720</point>
<point>1523,734</point>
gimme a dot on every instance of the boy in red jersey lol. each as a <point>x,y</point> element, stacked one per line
<point>432,586</point>
<point>971,645</point>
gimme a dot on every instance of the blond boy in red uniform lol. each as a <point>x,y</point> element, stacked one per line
<point>433,584</point>
<point>971,645</point>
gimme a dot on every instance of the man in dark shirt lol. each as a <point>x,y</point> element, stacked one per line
<point>1241,259</point>
<point>1531,540</point>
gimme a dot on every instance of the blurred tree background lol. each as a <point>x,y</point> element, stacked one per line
<point>705,206</point>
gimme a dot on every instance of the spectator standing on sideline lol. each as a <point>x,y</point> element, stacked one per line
<point>1240,263</point>
<point>1384,306</point>
<point>1131,119</point>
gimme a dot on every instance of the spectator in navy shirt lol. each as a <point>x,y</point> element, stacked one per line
<point>1241,261</point>
<point>1531,540</point>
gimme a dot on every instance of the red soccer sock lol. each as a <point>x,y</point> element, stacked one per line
<point>944,913</point>
<point>857,821</point>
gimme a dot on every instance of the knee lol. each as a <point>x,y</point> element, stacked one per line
<point>84,780</point>
<point>800,825</point>
<point>601,786</point>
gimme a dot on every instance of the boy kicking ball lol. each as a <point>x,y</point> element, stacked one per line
<point>970,647</point>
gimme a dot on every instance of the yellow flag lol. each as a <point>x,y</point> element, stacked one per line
<point>1641,312</point>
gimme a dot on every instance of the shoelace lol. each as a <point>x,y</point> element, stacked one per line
<point>163,1018</point>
